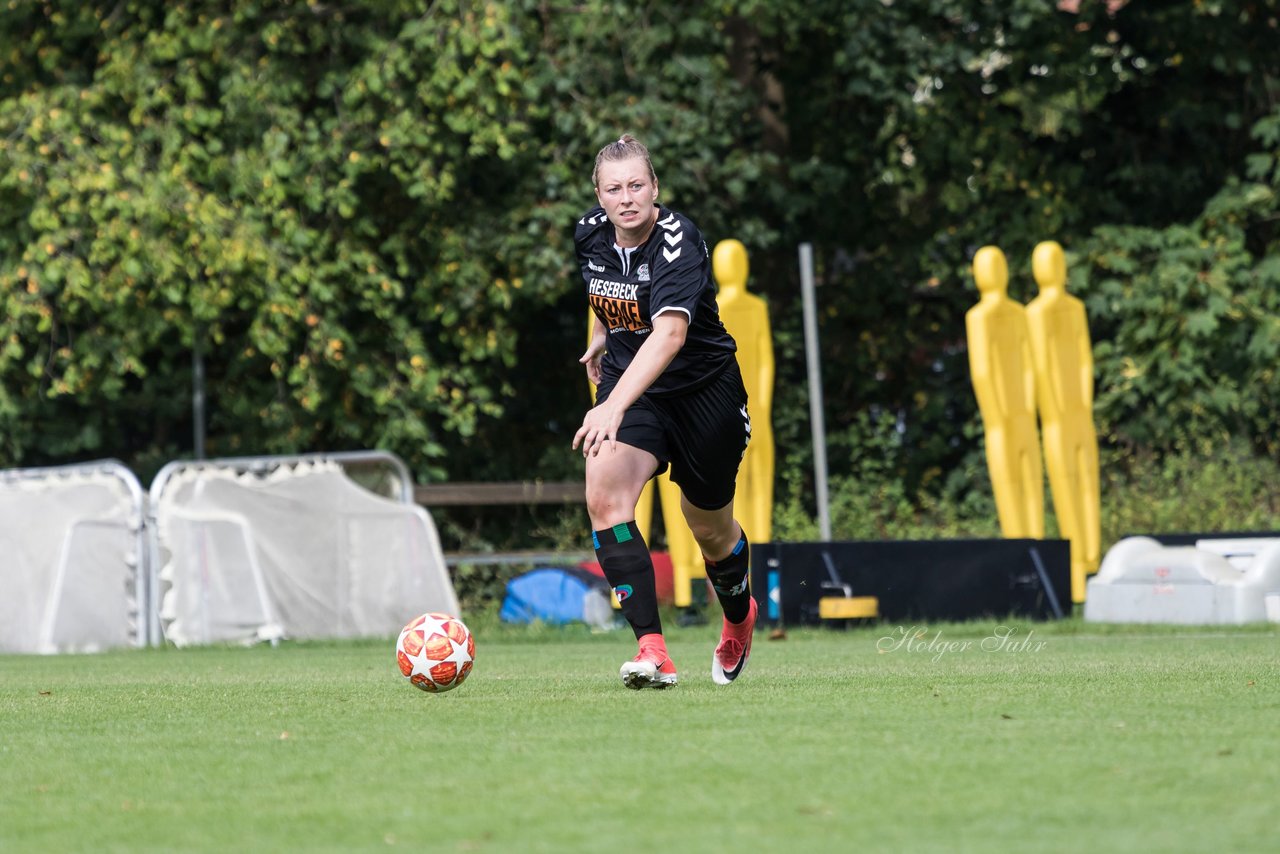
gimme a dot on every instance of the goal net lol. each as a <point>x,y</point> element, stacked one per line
<point>254,550</point>
<point>73,559</point>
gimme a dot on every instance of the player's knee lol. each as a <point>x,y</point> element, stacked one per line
<point>703,531</point>
<point>715,539</point>
<point>608,507</point>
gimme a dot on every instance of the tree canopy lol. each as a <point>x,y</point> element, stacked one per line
<point>360,213</point>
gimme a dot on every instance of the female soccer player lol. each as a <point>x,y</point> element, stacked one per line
<point>669,393</point>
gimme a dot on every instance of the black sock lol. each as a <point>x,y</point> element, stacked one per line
<point>624,557</point>
<point>729,578</point>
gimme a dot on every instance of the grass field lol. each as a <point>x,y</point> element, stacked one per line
<point>1060,737</point>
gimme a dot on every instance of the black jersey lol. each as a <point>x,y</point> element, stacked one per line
<point>627,288</point>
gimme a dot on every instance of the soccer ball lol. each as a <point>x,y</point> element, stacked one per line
<point>435,652</point>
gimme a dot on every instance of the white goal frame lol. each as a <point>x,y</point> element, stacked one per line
<point>377,472</point>
<point>128,518</point>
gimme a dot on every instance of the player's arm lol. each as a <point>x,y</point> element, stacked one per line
<point>596,344</point>
<point>660,347</point>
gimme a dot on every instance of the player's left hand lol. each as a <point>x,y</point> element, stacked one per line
<point>599,425</point>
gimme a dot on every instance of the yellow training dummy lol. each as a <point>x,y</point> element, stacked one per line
<point>746,317</point>
<point>1064,388</point>
<point>1002,369</point>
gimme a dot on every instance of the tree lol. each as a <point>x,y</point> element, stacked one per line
<point>362,212</point>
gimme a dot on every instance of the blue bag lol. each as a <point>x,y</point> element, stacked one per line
<point>558,595</point>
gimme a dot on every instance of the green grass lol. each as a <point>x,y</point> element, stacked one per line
<point>1105,740</point>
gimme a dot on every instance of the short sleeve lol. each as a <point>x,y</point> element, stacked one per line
<point>680,267</point>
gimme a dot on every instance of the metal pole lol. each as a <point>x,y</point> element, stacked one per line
<point>197,392</point>
<point>815,389</point>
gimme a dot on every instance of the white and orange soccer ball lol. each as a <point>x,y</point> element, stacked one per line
<point>435,652</point>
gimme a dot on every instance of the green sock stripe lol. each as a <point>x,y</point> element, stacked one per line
<point>622,532</point>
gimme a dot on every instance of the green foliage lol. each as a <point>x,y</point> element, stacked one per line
<point>318,197</point>
<point>360,215</point>
<point>1222,488</point>
<point>1187,320</point>
<point>966,124</point>
<point>874,503</point>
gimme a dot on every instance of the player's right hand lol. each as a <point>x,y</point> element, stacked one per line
<point>591,358</point>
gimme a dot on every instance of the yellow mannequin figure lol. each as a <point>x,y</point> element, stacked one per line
<point>686,557</point>
<point>1003,374</point>
<point>1064,385</point>
<point>747,318</point>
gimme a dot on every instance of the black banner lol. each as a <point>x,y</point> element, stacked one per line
<point>916,579</point>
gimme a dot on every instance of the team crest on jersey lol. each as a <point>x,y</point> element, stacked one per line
<point>643,273</point>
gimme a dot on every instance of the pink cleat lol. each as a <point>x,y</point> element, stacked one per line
<point>734,648</point>
<point>651,668</point>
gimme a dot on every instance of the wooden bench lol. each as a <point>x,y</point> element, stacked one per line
<point>513,492</point>
<point>493,494</point>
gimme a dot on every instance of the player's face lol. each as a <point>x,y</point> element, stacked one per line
<point>627,194</point>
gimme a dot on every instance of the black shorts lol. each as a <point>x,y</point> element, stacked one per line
<point>702,435</point>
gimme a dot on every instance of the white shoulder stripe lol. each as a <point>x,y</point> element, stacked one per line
<point>670,255</point>
<point>674,308</point>
<point>670,223</point>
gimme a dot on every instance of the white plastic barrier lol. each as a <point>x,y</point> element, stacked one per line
<point>73,559</point>
<point>1212,582</point>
